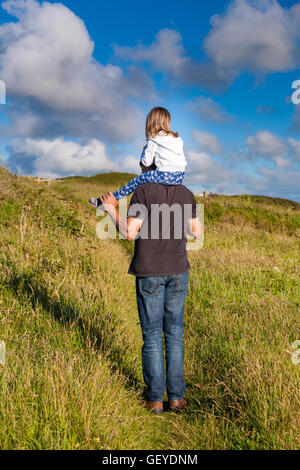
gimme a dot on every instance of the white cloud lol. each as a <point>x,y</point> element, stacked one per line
<point>46,60</point>
<point>283,152</point>
<point>207,142</point>
<point>276,183</point>
<point>129,163</point>
<point>61,157</point>
<point>167,54</point>
<point>295,148</point>
<point>265,143</point>
<point>282,162</point>
<point>228,176</point>
<point>204,171</point>
<point>3,161</point>
<point>209,110</point>
<point>258,36</point>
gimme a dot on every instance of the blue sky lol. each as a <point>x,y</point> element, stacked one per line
<point>82,75</point>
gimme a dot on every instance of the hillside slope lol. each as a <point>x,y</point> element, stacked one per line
<point>68,316</point>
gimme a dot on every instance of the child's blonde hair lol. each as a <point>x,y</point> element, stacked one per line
<point>158,119</point>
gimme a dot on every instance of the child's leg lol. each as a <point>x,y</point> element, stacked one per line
<point>132,185</point>
<point>169,177</point>
<point>153,176</point>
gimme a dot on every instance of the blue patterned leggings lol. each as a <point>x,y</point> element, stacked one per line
<point>153,176</point>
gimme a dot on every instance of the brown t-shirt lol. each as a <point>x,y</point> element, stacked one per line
<point>160,249</point>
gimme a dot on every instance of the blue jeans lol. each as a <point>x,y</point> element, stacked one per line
<point>161,308</point>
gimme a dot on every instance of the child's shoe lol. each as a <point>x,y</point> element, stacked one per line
<point>97,204</point>
<point>94,202</point>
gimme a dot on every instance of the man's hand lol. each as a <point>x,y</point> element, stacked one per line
<point>194,227</point>
<point>128,227</point>
<point>109,201</point>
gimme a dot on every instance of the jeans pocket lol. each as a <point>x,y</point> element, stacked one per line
<point>150,285</point>
<point>182,283</point>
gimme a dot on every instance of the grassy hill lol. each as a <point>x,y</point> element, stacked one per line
<point>117,179</point>
<point>68,316</point>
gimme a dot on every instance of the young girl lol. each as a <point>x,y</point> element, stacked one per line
<point>163,151</point>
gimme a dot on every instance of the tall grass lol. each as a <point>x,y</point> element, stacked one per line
<point>68,316</point>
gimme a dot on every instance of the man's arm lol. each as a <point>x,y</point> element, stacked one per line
<point>127,227</point>
<point>194,227</point>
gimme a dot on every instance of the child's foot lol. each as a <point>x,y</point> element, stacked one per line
<point>94,202</point>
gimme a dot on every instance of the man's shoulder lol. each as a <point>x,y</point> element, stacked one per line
<point>185,189</point>
<point>185,193</point>
<point>146,187</point>
<point>148,191</point>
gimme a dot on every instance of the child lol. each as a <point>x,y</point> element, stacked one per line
<point>163,150</point>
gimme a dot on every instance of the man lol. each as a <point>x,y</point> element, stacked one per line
<point>161,268</point>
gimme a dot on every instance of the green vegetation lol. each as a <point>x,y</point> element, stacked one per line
<point>68,316</point>
<point>102,178</point>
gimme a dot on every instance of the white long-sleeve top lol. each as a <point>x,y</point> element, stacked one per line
<point>166,152</point>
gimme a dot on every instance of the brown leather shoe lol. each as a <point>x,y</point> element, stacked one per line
<point>177,405</point>
<point>155,407</point>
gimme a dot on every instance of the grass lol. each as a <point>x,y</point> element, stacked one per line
<point>68,316</point>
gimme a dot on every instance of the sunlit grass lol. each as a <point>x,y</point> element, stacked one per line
<point>68,316</point>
